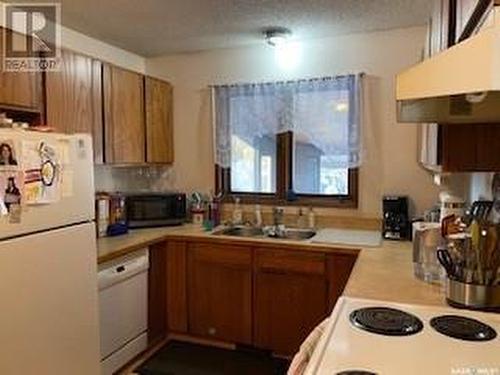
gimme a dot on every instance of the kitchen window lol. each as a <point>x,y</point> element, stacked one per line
<point>294,142</point>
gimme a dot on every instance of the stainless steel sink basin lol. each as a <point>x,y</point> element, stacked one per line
<point>286,234</point>
<point>295,234</point>
<point>241,232</point>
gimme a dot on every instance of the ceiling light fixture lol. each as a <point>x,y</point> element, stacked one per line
<point>277,36</point>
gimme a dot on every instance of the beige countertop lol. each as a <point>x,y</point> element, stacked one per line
<point>386,274</point>
<point>112,247</point>
<point>382,273</point>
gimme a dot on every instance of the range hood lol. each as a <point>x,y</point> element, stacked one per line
<point>459,85</point>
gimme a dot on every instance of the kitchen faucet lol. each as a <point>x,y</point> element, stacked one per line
<point>278,225</point>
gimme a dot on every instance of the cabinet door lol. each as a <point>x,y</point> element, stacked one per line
<point>159,121</point>
<point>339,268</point>
<point>220,292</point>
<point>74,98</point>
<point>157,293</point>
<point>470,148</point>
<point>23,90</point>
<point>177,317</point>
<point>290,298</point>
<point>123,116</point>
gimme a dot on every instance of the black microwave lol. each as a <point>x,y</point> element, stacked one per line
<point>155,210</point>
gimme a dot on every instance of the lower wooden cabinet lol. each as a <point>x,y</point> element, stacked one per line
<point>338,268</point>
<point>290,298</point>
<point>270,297</point>
<point>177,319</point>
<point>157,284</point>
<point>220,292</point>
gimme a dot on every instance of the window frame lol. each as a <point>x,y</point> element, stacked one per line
<point>284,177</point>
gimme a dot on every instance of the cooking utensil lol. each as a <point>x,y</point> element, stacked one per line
<point>459,245</point>
<point>446,261</point>
<point>481,209</point>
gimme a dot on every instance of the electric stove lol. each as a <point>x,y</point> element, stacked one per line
<point>385,338</point>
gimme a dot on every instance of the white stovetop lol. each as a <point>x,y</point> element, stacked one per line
<point>344,347</point>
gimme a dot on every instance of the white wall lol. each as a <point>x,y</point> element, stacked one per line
<point>84,44</point>
<point>390,165</point>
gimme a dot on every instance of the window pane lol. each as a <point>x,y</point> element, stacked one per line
<point>316,173</point>
<point>320,143</point>
<point>253,164</point>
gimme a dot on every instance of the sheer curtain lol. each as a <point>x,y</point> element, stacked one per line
<point>325,113</point>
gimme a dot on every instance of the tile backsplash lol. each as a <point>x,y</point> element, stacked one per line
<point>136,179</point>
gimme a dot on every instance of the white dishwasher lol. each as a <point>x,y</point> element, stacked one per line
<point>123,309</point>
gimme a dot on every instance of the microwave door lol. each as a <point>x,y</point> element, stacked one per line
<point>152,211</point>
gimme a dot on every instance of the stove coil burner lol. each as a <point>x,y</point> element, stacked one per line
<point>462,328</point>
<point>386,321</point>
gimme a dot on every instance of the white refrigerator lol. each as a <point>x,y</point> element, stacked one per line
<point>48,266</point>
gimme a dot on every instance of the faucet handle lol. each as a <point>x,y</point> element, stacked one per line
<point>278,210</point>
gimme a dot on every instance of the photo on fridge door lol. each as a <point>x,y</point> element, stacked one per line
<point>11,188</point>
<point>8,154</point>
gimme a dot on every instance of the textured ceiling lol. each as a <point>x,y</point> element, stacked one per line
<point>158,27</point>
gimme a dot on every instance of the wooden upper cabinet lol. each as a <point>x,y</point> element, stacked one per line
<point>159,121</point>
<point>123,115</point>
<point>220,292</point>
<point>74,98</point>
<point>470,147</point>
<point>290,298</point>
<point>22,90</point>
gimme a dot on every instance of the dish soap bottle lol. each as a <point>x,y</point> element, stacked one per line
<point>301,220</point>
<point>311,218</point>
<point>258,216</point>
<point>237,212</point>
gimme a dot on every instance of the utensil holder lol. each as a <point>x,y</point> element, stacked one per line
<point>473,296</point>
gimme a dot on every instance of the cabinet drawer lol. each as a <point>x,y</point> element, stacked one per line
<point>230,256</point>
<point>288,261</point>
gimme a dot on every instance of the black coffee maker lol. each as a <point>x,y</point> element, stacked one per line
<point>397,225</point>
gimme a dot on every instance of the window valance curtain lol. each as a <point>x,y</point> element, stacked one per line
<point>324,112</point>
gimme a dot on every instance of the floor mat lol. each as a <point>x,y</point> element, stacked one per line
<point>179,358</point>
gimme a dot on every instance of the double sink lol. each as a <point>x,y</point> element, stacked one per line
<point>268,232</point>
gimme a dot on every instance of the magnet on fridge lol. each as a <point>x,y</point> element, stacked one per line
<point>8,154</point>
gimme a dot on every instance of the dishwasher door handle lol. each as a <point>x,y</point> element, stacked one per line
<point>117,272</point>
